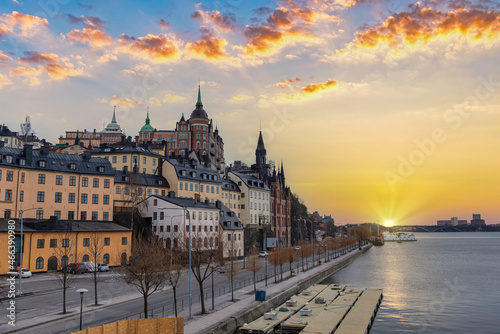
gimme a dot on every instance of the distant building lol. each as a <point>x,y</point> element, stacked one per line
<point>477,221</point>
<point>454,221</point>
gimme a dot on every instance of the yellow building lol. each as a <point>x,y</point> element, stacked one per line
<point>50,244</point>
<point>187,178</point>
<point>130,157</point>
<point>67,186</point>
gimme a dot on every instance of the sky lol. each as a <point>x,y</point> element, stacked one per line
<point>379,109</point>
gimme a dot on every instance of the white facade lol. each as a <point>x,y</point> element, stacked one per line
<point>171,218</point>
<point>255,199</point>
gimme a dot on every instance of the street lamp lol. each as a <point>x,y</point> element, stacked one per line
<point>81,291</point>
<point>21,249</point>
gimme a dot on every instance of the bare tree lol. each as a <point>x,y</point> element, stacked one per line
<point>136,193</point>
<point>176,274</point>
<point>96,245</point>
<point>305,252</point>
<point>149,268</point>
<point>274,260</point>
<point>231,271</point>
<point>66,252</point>
<point>254,265</point>
<point>26,128</point>
<point>291,256</point>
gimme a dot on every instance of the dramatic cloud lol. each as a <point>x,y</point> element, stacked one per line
<point>285,83</point>
<point>60,71</point>
<point>4,57</point>
<point>308,92</point>
<point>266,41</point>
<point>92,32</point>
<point>422,26</point>
<point>157,48</point>
<point>22,24</point>
<point>223,21</point>
<point>107,57</point>
<point>208,47</point>
<point>38,58</point>
<point>29,74</point>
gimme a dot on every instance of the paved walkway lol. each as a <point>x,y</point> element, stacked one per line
<point>228,309</point>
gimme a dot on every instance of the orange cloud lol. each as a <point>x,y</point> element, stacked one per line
<point>121,101</point>
<point>94,37</point>
<point>29,74</point>
<point>265,40</point>
<point>25,23</point>
<point>36,57</point>
<point>208,46</point>
<point>4,81</point>
<point>308,92</point>
<point>60,72</point>
<point>292,80</point>
<point>4,57</point>
<point>164,24</point>
<point>285,83</point>
<point>225,22</point>
<point>423,25</point>
<point>158,48</point>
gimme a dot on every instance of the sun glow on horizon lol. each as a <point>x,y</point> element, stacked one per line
<point>389,223</point>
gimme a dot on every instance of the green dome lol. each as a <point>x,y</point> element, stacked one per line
<point>147,127</point>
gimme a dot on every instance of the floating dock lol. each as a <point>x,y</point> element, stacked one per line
<point>361,316</point>
<point>266,324</point>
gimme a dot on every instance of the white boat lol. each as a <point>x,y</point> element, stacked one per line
<point>399,236</point>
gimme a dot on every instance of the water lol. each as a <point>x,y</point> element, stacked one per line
<point>442,283</point>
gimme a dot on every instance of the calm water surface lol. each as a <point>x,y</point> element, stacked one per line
<point>442,283</point>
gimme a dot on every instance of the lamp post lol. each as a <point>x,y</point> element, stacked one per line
<point>81,291</point>
<point>21,249</point>
<point>213,298</point>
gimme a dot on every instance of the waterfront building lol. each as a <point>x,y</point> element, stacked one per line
<point>45,242</point>
<point>67,186</point>
<point>477,221</point>
<point>454,221</point>
<point>171,217</point>
<point>189,178</point>
<point>196,134</point>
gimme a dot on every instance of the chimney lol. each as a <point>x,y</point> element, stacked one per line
<point>171,194</point>
<point>207,201</point>
<point>196,198</point>
<point>218,204</point>
<point>160,167</point>
<point>86,155</point>
<point>28,153</point>
<point>125,169</point>
<point>45,149</point>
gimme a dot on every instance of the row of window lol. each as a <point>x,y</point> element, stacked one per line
<point>196,241</point>
<point>40,243</point>
<point>114,159</point>
<point>53,265</point>
<point>259,195</point>
<point>59,179</point>
<point>40,197</point>
<point>71,215</point>
<point>206,228</point>
<point>126,191</point>
<point>231,196</point>
<point>194,187</point>
<point>264,206</point>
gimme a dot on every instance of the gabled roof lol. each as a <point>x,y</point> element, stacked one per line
<point>229,220</point>
<point>147,180</point>
<point>185,202</point>
<point>187,170</point>
<point>251,181</point>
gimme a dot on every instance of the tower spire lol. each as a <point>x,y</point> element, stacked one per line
<point>114,117</point>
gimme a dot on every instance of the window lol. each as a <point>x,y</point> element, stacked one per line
<point>201,187</point>
<point>106,242</point>
<point>41,163</point>
<point>100,169</point>
<point>10,175</point>
<point>85,181</point>
<point>53,243</point>
<point>59,179</point>
<point>105,216</point>
<point>139,192</point>
<point>106,258</point>
<point>143,160</point>
<point>206,215</point>
<point>154,162</point>
<point>181,185</point>
<point>95,215</point>
<point>72,180</point>
<point>83,215</point>
<point>190,187</point>
<point>194,215</point>
<point>118,189</point>
<point>105,199</point>
<point>40,243</point>
<point>162,215</point>
<point>124,240</point>
<point>155,215</point>
<point>212,188</point>
<point>40,197</point>
<point>196,187</point>
<point>84,198</point>
<point>161,228</point>
<point>39,263</point>
<point>126,191</point>
<point>239,236</point>
<point>95,199</point>
<point>58,198</point>
<point>85,258</point>
<point>114,159</point>
<point>95,183</point>
<point>8,194</point>
<point>71,215</point>
<point>106,183</point>
<point>65,243</point>
<point>86,242</point>
<point>218,190</point>
<point>229,237</point>
<point>124,158</point>
<point>71,198</point>
<point>22,177</point>
<point>57,213</point>
<point>149,192</point>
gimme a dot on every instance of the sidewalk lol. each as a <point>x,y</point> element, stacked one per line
<point>202,323</point>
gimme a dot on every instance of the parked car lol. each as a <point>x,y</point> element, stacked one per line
<point>89,266</point>
<point>77,268</point>
<point>102,267</point>
<point>297,247</point>
<point>263,254</point>
<point>222,270</point>
<point>25,273</point>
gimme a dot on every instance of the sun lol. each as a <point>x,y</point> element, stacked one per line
<point>389,223</point>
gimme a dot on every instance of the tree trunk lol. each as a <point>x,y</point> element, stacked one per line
<point>232,280</point>
<point>281,271</point>
<point>145,306</point>
<point>64,292</point>
<point>95,283</point>
<point>202,296</point>
<point>275,274</point>
<point>254,285</point>
<point>175,300</point>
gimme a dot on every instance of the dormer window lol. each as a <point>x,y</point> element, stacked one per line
<point>107,150</point>
<point>100,169</point>
<point>8,159</point>
<point>22,162</point>
<point>42,163</point>
<point>72,166</point>
<point>160,182</point>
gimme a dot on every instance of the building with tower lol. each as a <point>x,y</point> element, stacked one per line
<point>196,134</point>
